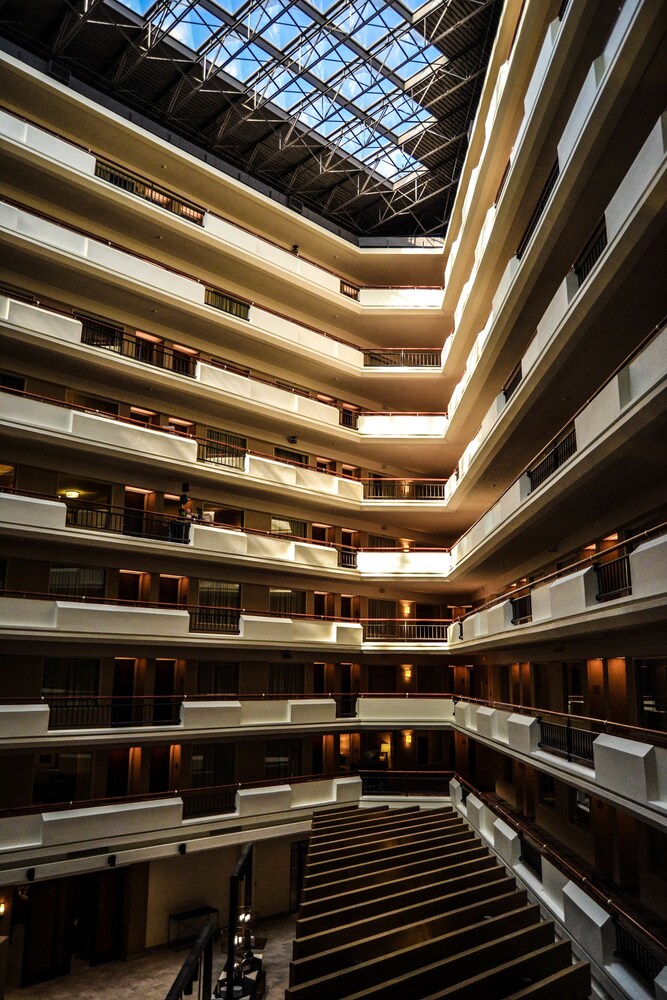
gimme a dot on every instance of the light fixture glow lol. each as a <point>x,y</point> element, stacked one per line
<point>72,494</point>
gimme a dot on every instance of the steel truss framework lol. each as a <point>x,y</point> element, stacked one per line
<point>360,109</point>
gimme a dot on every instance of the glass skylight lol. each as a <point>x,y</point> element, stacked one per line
<point>290,53</point>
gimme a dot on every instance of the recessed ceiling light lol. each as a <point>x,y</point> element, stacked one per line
<point>72,494</point>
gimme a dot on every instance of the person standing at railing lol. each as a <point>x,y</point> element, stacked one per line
<point>181,528</point>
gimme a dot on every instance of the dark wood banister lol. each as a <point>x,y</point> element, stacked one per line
<point>605,901</point>
<point>554,439</point>
<point>527,588</point>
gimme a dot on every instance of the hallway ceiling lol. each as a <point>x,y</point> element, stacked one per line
<point>358,110</point>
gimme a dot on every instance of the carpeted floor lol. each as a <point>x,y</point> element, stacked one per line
<point>149,976</point>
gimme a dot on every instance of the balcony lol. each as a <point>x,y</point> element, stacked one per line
<point>574,594</point>
<point>403,358</point>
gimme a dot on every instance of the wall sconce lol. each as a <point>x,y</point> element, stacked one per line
<point>407,738</point>
<point>406,610</point>
<point>2,908</point>
<point>385,748</point>
<point>407,674</point>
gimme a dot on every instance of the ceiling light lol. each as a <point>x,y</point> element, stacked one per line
<point>72,494</point>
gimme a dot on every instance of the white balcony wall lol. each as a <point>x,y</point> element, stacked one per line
<point>219,540</point>
<point>648,568</point>
<point>647,166</point>
<point>128,438</point>
<point>377,563</point>
<point>401,298</point>
<point>90,618</point>
<point>581,111</point>
<point>31,512</point>
<point>23,721</point>
<point>288,630</point>
<point>31,413</point>
<point>405,711</point>
<point>248,243</point>
<point>197,715</point>
<point>302,336</point>
<point>395,425</point>
<point>38,320</point>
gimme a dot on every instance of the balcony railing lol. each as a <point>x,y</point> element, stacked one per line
<point>220,453</point>
<point>512,383</point>
<point>591,253</point>
<point>111,338</point>
<point>227,303</point>
<point>403,358</point>
<point>404,489</point>
<point>539,209</point>
<point>110,712</point>
<point>613,578</point>
<point>405,629</point>
<point>388,782</point>
<point>346,288</point>
<point>641,958</point>
<point>125,521</point>
<point>522,609</point>
<point>149,192</point>
<point>567,740</point>
<point>531,856</point>
<point>205,619</point>
<point>553,459</point>
<point>347,557</point>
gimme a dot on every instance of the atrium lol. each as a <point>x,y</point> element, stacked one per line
<point>332,409</point>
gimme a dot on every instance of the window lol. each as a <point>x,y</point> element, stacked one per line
<point>219,594</point>
<point>282,758</point>
<point>286,678</point>
<point>70,676</point>
<point>287,455</point>
<point>579,808</point>
<point>233,517</point>
<point>96,403</point>
<point>381,542</point>
<point>62,777</point>
<point>213,764</point>
<point>547,791</point>
<point>149,417</point>
<point>7,476</point>
<point>288,526</point>
<point>77,581</point>
<point>217,677</point>
<point>287,602</point>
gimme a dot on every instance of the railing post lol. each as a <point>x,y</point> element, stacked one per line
<point>568,739</point>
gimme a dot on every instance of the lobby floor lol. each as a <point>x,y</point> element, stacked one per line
<point>150,975</point>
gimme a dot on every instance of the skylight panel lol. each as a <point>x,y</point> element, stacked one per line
<point>277,23</point>
<point>192,26</point>
<point>322,5</point>
<point>401,114</point>
<point>284,88</point>
<point>138,6</point>
<point>238,58</point>
<point>365,87</point>
<point>408,54</point>
<point>337,59</point>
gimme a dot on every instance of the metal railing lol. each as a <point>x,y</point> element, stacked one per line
<point>111,338</point>
<point>553,459</point>
<point>591,253</point>
<point>109,712</point>
<point>405,629</point>
<point>135,184</point>
<point>347,557</point>
<point>125,521</point>
<point>403,358</point>
<point>220,453</point>
<point>349,418</point>
<point>197,968</point>
<point>567,740</point>
<point>530,855</point>
<point>522,609</point>
<point>512,383</point>
<point>346,288</point>
<point>641,958</point>
<point>613,578</point>
<point>389,782</point>
<point>539,209</point>
<point>404,489</point>
<point>204,619</point>
<point>227,303</point>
